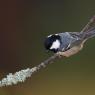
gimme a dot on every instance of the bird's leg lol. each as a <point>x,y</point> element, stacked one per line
<point>70,52</point>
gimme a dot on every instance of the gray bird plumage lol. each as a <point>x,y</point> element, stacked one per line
<point>67,40</point>
<point>69,43</point>
<point>70,39</point>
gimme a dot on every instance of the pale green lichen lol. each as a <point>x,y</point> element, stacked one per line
<point>19,76</point>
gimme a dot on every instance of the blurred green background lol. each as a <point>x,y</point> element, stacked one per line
<point>24,26</point>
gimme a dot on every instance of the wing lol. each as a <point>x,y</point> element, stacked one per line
<point>68,39</point>
<point>77,38</point>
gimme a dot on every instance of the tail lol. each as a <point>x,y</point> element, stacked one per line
<point>89,34</point>
<point>90,24</point>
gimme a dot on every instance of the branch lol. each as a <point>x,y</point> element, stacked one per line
<point>22,75</point>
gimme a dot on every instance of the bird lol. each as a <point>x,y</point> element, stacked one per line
<point>69,43</point>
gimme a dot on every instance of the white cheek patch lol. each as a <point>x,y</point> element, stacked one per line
<point>55,45</point>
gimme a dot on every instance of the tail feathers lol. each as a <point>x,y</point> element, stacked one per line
<point>90,33</point>
<point>91,29</point>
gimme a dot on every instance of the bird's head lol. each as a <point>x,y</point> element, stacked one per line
<point>52,42</point>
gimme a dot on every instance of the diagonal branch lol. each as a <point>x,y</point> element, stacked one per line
<point>22,75</point>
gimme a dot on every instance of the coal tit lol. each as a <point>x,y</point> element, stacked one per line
<point>72,42</point>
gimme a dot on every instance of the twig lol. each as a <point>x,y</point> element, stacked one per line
<point>21,76</point>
